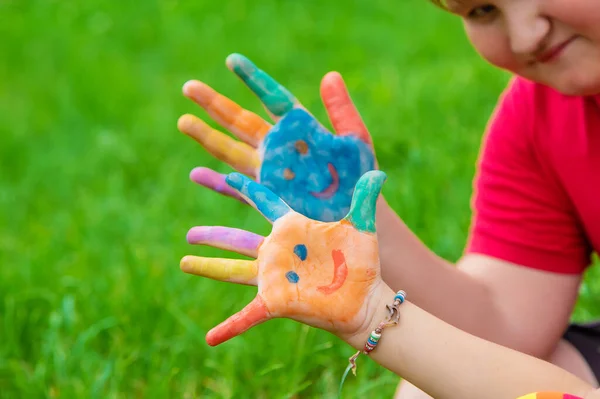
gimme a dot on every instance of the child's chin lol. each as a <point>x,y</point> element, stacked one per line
<point>578,85</point>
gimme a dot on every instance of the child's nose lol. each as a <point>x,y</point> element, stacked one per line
<point>527,31</point>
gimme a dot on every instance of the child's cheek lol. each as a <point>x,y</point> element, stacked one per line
<point>578,16</point>
<point>493,46</point>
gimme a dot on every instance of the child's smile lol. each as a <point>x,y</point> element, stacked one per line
<point>553,42</point>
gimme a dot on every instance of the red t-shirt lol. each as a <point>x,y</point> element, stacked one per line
<point>537,189</point>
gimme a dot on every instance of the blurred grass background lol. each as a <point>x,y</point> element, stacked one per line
<point>95,199</point>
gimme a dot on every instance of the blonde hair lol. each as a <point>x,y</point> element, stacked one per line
<point>440,3</point>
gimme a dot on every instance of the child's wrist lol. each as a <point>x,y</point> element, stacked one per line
<point>382,296</point>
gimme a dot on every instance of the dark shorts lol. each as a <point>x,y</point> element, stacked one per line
<point>586,339</point>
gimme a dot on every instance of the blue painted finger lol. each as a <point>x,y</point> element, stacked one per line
<point>270,205</point>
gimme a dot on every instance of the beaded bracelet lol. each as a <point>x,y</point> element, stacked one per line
<point>392,319</point>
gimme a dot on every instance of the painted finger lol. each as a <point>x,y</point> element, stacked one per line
<point>254,313</point>
<point>245,125</point>
<point>276,98</point>
<point>239,155</point>
<point>364,201</point>
<point>215,181</point>
<point>341,109</point>
<point>230,270</point>
<point>236,240</point>
<point>264,200</point>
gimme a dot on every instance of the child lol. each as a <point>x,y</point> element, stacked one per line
<point>536,210</point>
<point>535,221</point>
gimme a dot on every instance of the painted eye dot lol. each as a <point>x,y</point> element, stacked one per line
<point>301,251</point>
<point>301,146</point>
<point>292,277</point>
<point>288,174</point>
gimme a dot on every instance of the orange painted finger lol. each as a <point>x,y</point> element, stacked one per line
<point>245,125</point>
<point>341,110</point>
<point>240,156</point>
<point>254,313</point>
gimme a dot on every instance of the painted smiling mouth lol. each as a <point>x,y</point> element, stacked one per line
<point>340,272</point>
<point>330,190</point>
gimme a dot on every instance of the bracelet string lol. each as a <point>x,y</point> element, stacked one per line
<point>392,319</point>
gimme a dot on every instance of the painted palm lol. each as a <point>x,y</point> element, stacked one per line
<point>315,272</point>
<point>311,169</point>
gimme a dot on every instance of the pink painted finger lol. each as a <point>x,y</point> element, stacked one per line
<point>215,181</point>
<point>240,241</point>
<point>254,313</point>
<point>341,110</point>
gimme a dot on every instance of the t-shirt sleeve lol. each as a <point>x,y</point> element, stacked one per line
<point>521,213</point>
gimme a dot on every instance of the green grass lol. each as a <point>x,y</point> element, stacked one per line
<point>95,199</point>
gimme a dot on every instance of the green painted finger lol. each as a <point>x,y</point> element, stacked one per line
<point>276,98</point>
<point>364,201</point>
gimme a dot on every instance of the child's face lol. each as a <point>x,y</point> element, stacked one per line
<point>554,42</point>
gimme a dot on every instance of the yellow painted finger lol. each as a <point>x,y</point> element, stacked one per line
<point>231,270</point>
<point>240,156</point>
<point>245,125</point>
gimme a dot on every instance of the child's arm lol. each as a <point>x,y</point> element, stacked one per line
<point>522,220</point>
<point>446,362</point>
<point>493,299</point>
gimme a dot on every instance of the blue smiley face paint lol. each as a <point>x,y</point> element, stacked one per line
<point>301,251</point>
<point>313,171</point>
<point>292,277</point>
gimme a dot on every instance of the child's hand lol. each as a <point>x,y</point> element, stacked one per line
<point>309,168</point>
<point>322,274</point>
